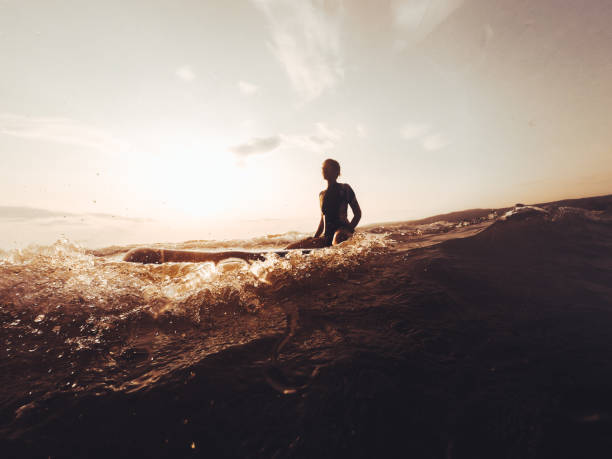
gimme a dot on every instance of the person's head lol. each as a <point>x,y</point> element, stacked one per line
<point>331,169</point>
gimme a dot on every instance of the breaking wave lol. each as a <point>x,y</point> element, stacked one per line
<point>79,321</point>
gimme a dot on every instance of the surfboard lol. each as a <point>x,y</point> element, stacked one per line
<point>147,255</point>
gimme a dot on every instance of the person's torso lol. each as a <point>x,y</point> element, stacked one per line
<point>334,203</point>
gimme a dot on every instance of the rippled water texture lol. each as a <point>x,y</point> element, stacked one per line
<point>403,321</point>
<point>74,321</point>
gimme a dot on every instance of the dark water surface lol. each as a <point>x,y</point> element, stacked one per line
<point>477,337</point>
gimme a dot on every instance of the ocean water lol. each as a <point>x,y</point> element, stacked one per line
<point>73,320</point>
<point>81,325</point>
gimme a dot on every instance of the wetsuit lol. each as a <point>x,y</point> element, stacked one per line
<point>334,202</point>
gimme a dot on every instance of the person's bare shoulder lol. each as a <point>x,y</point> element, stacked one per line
<point>348,191</point>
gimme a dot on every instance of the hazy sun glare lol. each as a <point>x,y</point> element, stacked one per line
<point>116,115</point>
<point>191,175</point>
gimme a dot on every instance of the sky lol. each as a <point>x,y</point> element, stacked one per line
<point>142,121</point>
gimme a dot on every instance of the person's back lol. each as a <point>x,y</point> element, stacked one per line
<point>334,203</point>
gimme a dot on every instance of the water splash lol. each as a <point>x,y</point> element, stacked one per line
<point>85,322</point>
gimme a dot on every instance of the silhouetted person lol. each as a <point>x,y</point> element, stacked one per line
<point>333,229</point>
<point>334,226</point>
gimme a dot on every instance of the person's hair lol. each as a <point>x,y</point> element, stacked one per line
<point>335,165</point>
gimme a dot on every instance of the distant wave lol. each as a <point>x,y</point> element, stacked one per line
<point>533,229</point>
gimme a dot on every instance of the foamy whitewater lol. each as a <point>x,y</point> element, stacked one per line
<point>73,320</point>
<point>80,325</point>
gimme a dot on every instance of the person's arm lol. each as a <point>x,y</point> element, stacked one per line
<point>356,214</point>
<point>320,228</point>
<point>352,200</point>
<point>356,211</point>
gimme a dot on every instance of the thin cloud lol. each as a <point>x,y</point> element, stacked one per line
<point>425,135</point>
<point>434,142</point>
<point>306,42</point>
<point>28,213</point>
<point>410,14</point>
<point>416,19</point>
<point>247,124</point>
<point>185,73</point>
<point>257,145</point>
<point>361,130</point>
<point>411,131</point>
<point>23,214</point>
<point>324,138</point>
<point>60,130</point>
<point>488,34</point>
<point>247,88</point>
<point>327,133</point>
